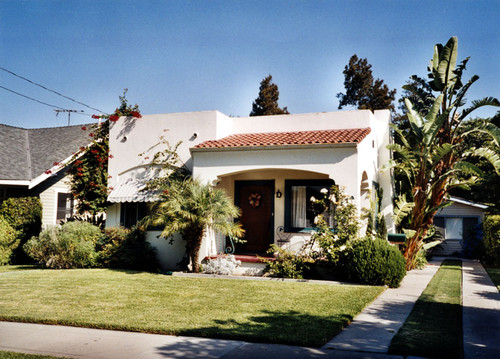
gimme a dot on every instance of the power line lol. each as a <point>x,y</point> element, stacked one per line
<point>31,98</point>
<point>57,108</point>
<point>45,88</point>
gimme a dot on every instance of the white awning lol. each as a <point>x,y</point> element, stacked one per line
<point>132,190</point>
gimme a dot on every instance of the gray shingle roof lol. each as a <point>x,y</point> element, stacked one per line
<point>14,163</point>
<point>27,153</point>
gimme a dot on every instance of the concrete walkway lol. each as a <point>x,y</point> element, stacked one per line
<point>368,336</point>
<point>481,312</point>
<point>373,329</point>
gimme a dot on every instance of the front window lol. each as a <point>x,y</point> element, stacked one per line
<point>131,213</point>
<point>64,206</point>
<point>455,227</point>
<point>300,207</point>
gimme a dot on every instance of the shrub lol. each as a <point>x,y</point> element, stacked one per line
<point>127,249</point>
<point>472,245</point>
<point>71,246</point>
<point>287,264</point>
<point>491,240</point>
<point>24,214</point>
<point>8,241</point>
<point>333,242</point>
<point>97,219</point>
<point>374,262</point>
<point>222,265</point>
<point>421,259</point>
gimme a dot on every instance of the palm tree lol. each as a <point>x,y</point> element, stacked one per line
<point>191,208</point>
<point>429,154</point>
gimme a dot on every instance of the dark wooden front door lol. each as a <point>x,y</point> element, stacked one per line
<point>256,201</point>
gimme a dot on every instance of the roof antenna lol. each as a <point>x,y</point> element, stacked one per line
<point>69,113</point>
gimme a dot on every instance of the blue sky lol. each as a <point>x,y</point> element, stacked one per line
<point>178,56</point>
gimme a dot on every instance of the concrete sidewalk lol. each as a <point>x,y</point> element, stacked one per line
<point>368,336</point>
<point>373,329</point>
<point>88,343</point>
<point>481,312</point>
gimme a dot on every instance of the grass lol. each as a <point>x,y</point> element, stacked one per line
<point>434,327</point>
<point>18,267</point>
<point>14,355</point>
<point>494,274</point>
<point>260,311</point>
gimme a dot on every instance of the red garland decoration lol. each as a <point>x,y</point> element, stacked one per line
<point>254,200</point>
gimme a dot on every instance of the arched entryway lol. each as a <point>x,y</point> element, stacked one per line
<point>266,197</point>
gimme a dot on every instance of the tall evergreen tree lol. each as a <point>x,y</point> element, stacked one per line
<point>267,101</point>
<point>362,90</point>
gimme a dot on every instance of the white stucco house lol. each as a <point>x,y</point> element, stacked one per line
<point>280,160</point>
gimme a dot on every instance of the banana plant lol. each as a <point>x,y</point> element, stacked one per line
<point>429,155</point>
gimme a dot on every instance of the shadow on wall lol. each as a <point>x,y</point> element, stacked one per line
<point>128,126</point>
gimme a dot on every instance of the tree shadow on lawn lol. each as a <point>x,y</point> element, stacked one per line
<point>290,327</point>
<point>134,271</point>
<point>432,330</point>
<point>19,267</point>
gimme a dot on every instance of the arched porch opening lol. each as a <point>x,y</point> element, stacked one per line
<point>269,206</point>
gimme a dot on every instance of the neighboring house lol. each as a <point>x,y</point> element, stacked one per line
<point>269,165</point>
<point>29,166</point>
<point>456,222</point>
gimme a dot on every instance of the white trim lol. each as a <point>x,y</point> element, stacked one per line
<point>467,203</point>
<point>15,182</point>
<point>53,170</point>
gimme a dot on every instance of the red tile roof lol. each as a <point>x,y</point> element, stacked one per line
<point>354,135</point>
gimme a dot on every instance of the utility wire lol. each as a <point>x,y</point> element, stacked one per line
<point>32,99</point>
<point>45,88</point>
<point>44,103</point>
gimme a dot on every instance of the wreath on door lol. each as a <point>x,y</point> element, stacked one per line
<point>254,200</point>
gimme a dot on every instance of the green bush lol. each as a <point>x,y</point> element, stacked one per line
<point>287,264</point>
<point>8,241</point>
<point>491,240</point>
<point>127,249</point>
<point>71,246</point>
<point>24,214</point>
<point>374,262</point>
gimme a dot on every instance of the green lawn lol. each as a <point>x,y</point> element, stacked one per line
<point>261,311</point>
<point>494,274</point>
<point>434,327</point>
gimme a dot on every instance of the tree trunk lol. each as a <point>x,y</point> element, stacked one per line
<point>194,239</point>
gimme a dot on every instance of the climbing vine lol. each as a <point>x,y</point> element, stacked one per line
<point>89,170</point>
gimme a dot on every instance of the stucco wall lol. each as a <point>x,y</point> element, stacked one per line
<point>303,122</point>
<point>130,137</point>
<point>338,162</point>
